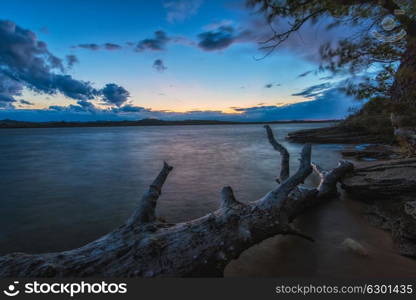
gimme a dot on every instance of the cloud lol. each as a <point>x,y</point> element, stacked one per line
<point>254,30</point>
<point>157,43</point>
<point>129,109</point>
<point>159,65</point>
<point>270,85</point>
<point>304,74</point>
<point>223,37</point>
<point>114,94</point>
<point>25,62</point>
<point>330,105</point>
<point>68,86</point>
<point>20,49</point>
<point>96,47</point>
<point>218,24</point>
<point>179,10</point>
<point>111,46</point>
<point>8,89</point>
<point>86,105</point>
<point>25,102</point>
<point>217,39</point>
<point>71,60</point>
<point>314,91</point>
<point>93,47</point>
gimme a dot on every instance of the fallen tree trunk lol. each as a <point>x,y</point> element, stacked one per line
<point>147,247</point>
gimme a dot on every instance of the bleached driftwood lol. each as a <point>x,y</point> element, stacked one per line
<point>146,247</point>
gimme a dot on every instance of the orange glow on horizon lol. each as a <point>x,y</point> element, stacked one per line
<point>183,103</point>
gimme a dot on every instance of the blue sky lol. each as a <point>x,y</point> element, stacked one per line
<point>201,63</point>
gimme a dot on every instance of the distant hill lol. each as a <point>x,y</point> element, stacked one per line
<point>145,122</point>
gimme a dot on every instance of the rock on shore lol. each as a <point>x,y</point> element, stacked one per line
<point>371,152</point>
<point>389,189</point>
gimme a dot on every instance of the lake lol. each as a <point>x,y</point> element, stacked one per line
<point>63,187</point>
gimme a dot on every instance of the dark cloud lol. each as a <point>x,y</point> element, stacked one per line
<point>304,74</point>
<point>179,10</point>
<point>270,85</point>
<point>314,91</point>
<point>69,86</point>
<point>20,49</point>
<point>9,88</point>
<point>71,60</point>
<point>88,107</point>
<point>26,62</point>
<point>217,39</point>
<point>25,102</point>
<point>93,47</point>
<point>111,46</point>
<point>223,36</point>
<point>330,105</point>
<point>57,107</point>
<point>157,43</point>
<point>159,65</point>
<point>129,109</point>
<point>114,94</point>
<point>81,106</point>
<point>6,101</point>
<point>86,104</point>
<point>96,47</point>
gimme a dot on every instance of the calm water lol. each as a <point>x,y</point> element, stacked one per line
<point>63,187</point>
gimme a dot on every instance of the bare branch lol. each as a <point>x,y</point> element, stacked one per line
<point>327,187</point>
<point>285,156</point>
<point>318,170</point>
<point>277,197</point>
<point>304,198</point>
<point>228,199</point>
<point>145,213</point>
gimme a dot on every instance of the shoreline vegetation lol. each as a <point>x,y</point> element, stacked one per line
<point>4,124</point>
<point>369,125</point>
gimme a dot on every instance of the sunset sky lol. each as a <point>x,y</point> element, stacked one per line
<point>105,59</point>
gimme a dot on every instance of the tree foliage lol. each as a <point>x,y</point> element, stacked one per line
<point>373,61</point>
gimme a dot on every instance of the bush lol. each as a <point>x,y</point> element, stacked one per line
<point>374,118</point>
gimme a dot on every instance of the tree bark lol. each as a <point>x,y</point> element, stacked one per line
<point>147,247</point>
<point>403,96</point>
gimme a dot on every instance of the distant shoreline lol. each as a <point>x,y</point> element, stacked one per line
<point>10,124</point>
